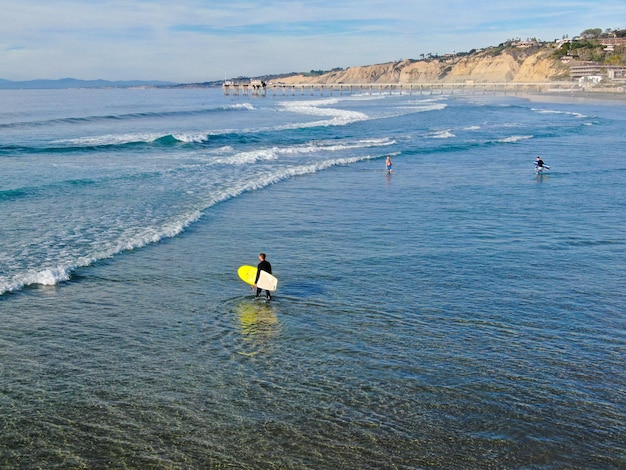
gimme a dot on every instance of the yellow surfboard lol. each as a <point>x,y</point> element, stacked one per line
<point>266,280</point>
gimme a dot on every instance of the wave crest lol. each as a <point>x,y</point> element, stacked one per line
<point>514,138</point>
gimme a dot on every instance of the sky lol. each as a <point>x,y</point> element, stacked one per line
<point>190,41</point>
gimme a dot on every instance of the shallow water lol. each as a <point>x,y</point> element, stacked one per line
<point>458,313</point>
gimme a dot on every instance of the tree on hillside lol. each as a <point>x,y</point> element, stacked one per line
<point>591,33</point>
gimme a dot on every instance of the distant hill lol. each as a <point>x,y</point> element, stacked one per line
<point>512,61</point>
<point>75,83</point>
<point>516,62</point>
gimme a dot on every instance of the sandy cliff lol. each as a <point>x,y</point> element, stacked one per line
<point>491,65</point>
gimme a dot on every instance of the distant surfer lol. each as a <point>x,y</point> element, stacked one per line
<point>264,265</point>
<point>388,164</point>
<point>539,163</point>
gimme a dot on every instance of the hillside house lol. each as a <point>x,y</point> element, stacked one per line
<point>594,69</point>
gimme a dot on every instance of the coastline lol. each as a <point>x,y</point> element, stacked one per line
<point>587,96</point>
<point>545,91</point>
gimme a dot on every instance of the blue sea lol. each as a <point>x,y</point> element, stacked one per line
<point>461,312</point>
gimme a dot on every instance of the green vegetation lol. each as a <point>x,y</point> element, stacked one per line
<point>584,49</point>
<point>588,47</point>
<point>314,73</point>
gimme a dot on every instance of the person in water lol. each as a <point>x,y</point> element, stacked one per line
<point>264,265</point>
<point>388,164</point>
<point>539,163</point>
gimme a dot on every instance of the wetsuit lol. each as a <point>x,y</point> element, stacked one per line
<point>267,267</point>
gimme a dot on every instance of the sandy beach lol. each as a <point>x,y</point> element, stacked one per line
<point>582,96</point>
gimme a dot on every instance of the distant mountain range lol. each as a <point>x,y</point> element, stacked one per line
<point>75,83</point>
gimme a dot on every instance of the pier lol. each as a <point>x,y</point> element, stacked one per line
<point>258,88</point>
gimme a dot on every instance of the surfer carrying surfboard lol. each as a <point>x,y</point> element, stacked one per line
<point>539,162</point>
<point>264,265</point>
<point>539,165</point>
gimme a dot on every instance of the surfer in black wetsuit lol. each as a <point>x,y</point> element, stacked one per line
<point>264,265</point>
<point>539,163</point>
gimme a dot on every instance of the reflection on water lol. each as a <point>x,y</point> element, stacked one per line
<point>258,322</point>
<point>542,177</point>
<point>257,318</point>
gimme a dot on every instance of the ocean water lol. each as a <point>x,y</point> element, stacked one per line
<point>461,312</point>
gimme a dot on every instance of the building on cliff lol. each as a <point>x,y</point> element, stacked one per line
<point>594,69</point>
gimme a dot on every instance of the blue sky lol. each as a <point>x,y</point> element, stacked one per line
<point>195,40</point>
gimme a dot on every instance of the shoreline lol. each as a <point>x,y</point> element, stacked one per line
<point>550,93</point>
<point>587,96</point>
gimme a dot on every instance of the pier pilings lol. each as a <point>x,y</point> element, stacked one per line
<point>329,89</point>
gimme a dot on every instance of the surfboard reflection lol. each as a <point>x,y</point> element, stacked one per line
<point>257,319</point>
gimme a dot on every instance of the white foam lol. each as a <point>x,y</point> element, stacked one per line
<point>301,170</point>
<point>252,156</point>
<point>552,111</point>
<point>111,139</point>
<point>425,107</point>
<point>244,106</point>
<point>137,237</point>
<point>122,139</point>
<point>338,117</point>
<point>44,277</point>
<point>131,239</point>
<point>445,134</point>
<point>190,138</point>
<point>274,153</point>
<point>514,138</point>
